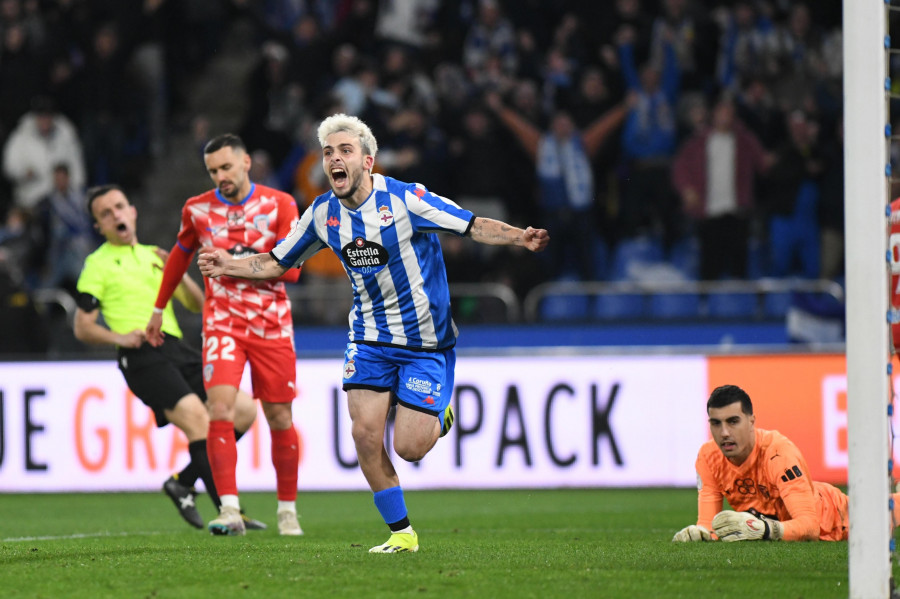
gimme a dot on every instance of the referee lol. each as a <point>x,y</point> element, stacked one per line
<point>121,278</point>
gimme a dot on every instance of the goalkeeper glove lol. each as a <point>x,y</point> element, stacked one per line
<point>743,526</point>
<point>692,533</point>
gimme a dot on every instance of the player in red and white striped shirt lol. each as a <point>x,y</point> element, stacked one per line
<point>243,321</point>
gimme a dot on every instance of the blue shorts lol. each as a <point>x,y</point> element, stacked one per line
<point>419,380</point>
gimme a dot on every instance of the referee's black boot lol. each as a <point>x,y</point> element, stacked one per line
<point>183,497</point>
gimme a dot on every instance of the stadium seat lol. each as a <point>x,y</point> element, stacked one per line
<point>617,307</point>
<point>601,260</point>
<point>685,256</point>
<point>732,305</point>
<point>675,305</point>
<point>776,305</point>
<point>555,308</point>
<point>644,249</point>
<point>757,259</point>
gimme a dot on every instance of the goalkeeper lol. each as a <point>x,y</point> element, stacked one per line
<point>765,479</point>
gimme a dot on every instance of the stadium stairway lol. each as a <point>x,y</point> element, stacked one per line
<point>211,109</point>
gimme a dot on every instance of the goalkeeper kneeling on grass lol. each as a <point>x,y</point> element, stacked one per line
<point>765,479</point>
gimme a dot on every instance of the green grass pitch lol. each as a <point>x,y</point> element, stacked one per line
<point>569,543</point>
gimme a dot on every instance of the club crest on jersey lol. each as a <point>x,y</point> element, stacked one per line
<point>385,218</point>
<point>364,256</point>
<point>235,219</point>
<point>261,222</point>
<point>207,372</point>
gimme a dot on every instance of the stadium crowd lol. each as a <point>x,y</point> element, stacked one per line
<point>710,129</point>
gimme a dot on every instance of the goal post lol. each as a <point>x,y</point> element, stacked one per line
<point>866,198</point>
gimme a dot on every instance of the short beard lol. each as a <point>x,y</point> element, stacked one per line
<point>349,192</point>
<point>229,195</point>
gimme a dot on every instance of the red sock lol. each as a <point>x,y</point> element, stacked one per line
<point>286,459</point>
<point>222,452</point>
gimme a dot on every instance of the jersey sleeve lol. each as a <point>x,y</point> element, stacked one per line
<point>431,212</point>
<point>788,469</point>
<point>287,218</point>
<point>709,493</point>
<point>187,234</point>
<point>179,258</point>
<point>90,281</point>
<point>301,243</point>
<point>176,265</point>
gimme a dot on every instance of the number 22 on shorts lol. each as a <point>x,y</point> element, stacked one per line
<point>219,348</point>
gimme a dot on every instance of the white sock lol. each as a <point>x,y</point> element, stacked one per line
<point>230,501</point>
<point>287,506</point>
<point>408,530</point>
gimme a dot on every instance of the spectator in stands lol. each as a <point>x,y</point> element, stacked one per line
<point>693,36</point>
<point>757,107</point>
<point>477,154</point>
<point>747,47</point>
<point>65,234</point>
<point>22,330</point>
<point>110,98</point>
<point>628,15</point>
<point>714,172</point>
<point>562,155</point>
<point>405,23</point>
<point>20,79</point>
<point>800,55</point>
<point>831,207</point>
<point>491,35</point>
<point>414,149</point>
<point>594,96</point>
<point>648,204</point>
<point>792,197</point>
<point>43,139</point>
<point>310,53</point>
<point>275,104</point>
<point>17,247</point>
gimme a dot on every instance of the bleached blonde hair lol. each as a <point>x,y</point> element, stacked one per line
<point>352,125</point>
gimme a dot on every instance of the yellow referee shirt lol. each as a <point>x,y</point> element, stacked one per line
<point>125,280</point>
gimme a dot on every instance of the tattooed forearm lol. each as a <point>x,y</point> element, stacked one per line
<point>256,265</point>
<point>494,232</point>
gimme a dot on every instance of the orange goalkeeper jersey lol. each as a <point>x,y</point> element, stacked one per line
<point>774,480</point>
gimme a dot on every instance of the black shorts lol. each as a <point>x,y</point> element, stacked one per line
<point>161,376</point>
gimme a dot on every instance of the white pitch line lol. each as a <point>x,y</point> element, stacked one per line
<point>83,535</point>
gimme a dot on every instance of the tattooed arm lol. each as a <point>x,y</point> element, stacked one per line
<point>216,262</point>
<point>495,232</point>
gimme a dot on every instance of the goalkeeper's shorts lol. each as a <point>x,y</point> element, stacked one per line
<point>833,512</point>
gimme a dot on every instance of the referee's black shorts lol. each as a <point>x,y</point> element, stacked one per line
<point>160,376</point>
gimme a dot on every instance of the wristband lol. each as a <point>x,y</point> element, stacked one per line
<point>157,310</point>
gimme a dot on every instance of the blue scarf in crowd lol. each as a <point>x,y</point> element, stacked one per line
<point>565,174</point>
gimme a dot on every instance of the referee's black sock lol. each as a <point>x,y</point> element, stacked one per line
<point>189,475</point>
<point>200,459</point>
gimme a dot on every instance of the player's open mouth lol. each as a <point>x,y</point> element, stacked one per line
<point>121,227</point>
<point>728,445</point>
<point>338,175</point>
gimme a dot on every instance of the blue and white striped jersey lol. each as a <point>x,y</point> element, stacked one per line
<point>390,251</point>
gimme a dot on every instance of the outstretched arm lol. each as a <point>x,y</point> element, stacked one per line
<point>495,232</point>
<point>217,262</point>
<point>528,135</point>
<point>600,130</point>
